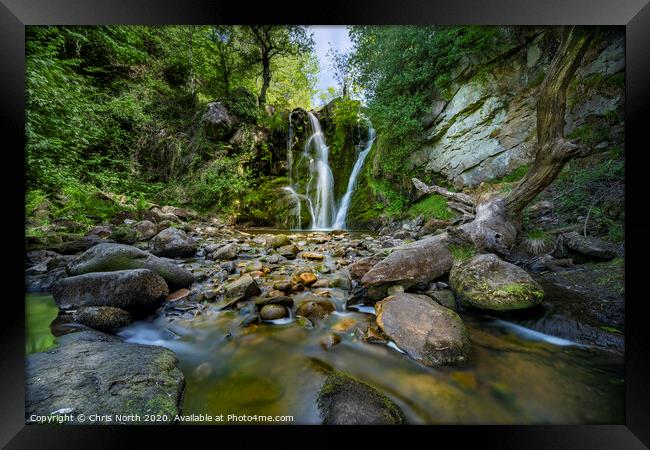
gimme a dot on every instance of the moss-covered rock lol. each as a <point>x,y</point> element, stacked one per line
<point>102,318</point>
<point>486,282</point>
<point>344,400</point>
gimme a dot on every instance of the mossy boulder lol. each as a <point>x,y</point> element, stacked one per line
<point>486,282</point>
<point>102,318</point>
<point>344,400</point>
<point>112,257</point>
<point>95,373</point>
<point>426,331</point>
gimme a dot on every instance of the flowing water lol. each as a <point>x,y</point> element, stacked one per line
<point>319,191</point>
<point>514,375</point>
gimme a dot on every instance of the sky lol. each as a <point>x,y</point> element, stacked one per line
<point>324,35</point>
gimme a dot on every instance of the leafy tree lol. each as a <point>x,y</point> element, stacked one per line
<point>268,42</point>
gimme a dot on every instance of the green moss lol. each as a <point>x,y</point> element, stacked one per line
<point>339,383</point>
<point>434,206</point>
<point>523,291</point>
<point>516,175</point>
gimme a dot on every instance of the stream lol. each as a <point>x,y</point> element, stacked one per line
<point>515,375</point>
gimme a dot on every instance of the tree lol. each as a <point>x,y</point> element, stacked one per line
<point>493,224</point>
<point>341,69</point>
<point>267,42</point>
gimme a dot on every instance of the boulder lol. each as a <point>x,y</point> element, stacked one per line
<point>179,212</point>
<point>76,245</point>
<point>273,312</point>
<point>124,234</point>
<point>426,331</point>
<point>487,282</point>
<point>226,253</point>
<point>240,289</point>
<point>419,262</point>
<point>102,318</point>
<point>172,242</point>
<point>360,267</point>
<point>315,309</point>
<point>128,289</point>
<point>145,230</point>
<point>277,241</point>
<point>111,257</point>
<point>218,122</point>
<point>589,246</point>
<point>94,373</point>
<point>288,251</point>
<point>343,400</point>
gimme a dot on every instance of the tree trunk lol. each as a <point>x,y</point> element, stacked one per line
<point>266,79</point>
<point>497,219</point>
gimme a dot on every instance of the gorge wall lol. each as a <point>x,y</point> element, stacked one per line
<point>486,128</point>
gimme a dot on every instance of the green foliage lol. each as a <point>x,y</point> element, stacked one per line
<point>403,69</point>
<point>434,206</point>
<point>389,201</point>
<point>590,135</point>
<point>345,118</point>
<point>513,176</point>
<point>462,252</point>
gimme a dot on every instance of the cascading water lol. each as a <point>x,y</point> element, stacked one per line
<point>319,190</point>
<point>339,222</point>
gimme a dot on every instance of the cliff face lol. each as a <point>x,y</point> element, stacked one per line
<point>486,127</point>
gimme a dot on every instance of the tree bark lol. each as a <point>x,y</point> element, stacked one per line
<point>266,79</point>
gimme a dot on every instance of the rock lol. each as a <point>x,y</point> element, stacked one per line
<point>487,282</point>
<point>242,288</point>
<point>322,283</point>
<point>112,257</point>
<point>313,256</point>
<point>315,309</point>
<point>395,290</point>
<point>227,252</point>
<point>589,246</point>
<point>283,286</point>
<point>344,400</point>
<point>420,261</point>
<point>43,282</point>
<point>308,278</point>
<point>288,251</point>
<point>82,244</point>
<point>277,300</point>
<point>360,267</point>
<point>279,240</point>
<point>179,212</point>
<point>254,266</point>
<point>445,297</point>
<point>230,267</point>
<point>145,230</point>
<point>330,340</point>
<point>128,289</point>
<point>178,295</point>
<point>94,373</point>
<point>101,231</point>
<point>172,242</point>
<point>124,234</point>
<point>218,122</point>
<point>273,312</point>
<point>102,318</point>
<point>426,331</point>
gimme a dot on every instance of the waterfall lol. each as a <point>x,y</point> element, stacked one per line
<point>339,223</point>
<point>319,190</point>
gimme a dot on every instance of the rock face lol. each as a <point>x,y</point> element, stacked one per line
<point>344,400</point>
<point>94,373</point>
<point>486,128</point>
<point>111,257</point>
<point>425,330</point>
<point>218,122</point>
<point>487,282</point>
<point>172,242</point>
<point>139,288</point>
<point>102,318</point>
<point>420,261</point>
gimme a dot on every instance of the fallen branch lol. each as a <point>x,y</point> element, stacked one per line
<point>433,189</point>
